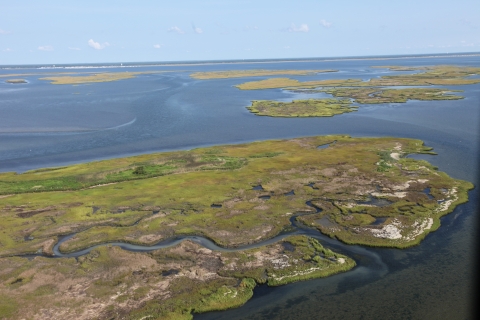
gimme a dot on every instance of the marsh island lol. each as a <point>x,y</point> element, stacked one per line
<point>374,91</point>
<point>85,78</point>
<point>358,190</point>
<point>436,75</point>
<point>253,73</point>
<point>302,108</point>
<point>16,81</point>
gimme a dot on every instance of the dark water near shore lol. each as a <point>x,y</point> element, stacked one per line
<point>52,125</point>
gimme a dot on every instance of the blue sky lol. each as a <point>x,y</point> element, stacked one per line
<point>55,32</point>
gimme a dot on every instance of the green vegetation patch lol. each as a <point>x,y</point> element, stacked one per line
<point>209,192</point>
<point>265,155</point>
<point>114,171</point>
<point>302,108</point>
<point>253,73</point>
<point>381,95</point>
<point>436,75</point>
<point>275,83</point>
<point>368,192</point>
<point>95,77</point>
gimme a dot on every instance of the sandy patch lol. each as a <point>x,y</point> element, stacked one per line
<point>150,238</point>
<point>296,273</point>
<point>395,155</point>
<point>393,230</point>
<point>102,185</point>
<point>403,186</point>
<point>389,231</point>
<point>447,203</point>
<point>386,194</point>
<point>419,226</point>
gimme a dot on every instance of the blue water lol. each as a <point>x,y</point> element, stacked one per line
<point>51,125</point>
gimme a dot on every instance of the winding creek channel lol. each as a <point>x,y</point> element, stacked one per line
<point>363,257</point>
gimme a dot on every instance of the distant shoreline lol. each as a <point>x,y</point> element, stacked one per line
<point>235,61</point>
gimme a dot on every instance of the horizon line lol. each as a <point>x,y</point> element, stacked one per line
<point>239,61</point>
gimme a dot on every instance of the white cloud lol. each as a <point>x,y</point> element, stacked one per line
<point>325,23</point>
<point>157,46</point>
<point>196,29</point>
<point>251,28</point>
<point>176,29</point>
<point>73,48</point>
<point>4,31</point>
<point>302,28</point>
<point>97,45</point>
<point>7,50</point>
<point>45,48</point>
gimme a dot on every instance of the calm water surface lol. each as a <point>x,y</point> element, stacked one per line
<point>51,125</point>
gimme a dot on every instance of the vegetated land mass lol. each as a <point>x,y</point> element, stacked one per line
<point>16,81</point>
<point>363,92</point>
<point>97,77</point>
<point>383,95</point>
<point>358,190</point>
<point>165,284</point>
<point>302,108</point>
<point>253,73</point>
<point>9,75</point>
<point>328,107</point>
<point>436,75</point>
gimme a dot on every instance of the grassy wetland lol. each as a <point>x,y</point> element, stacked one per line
<point>358,190</point>
<point>169,283</point>
<point>373,91</point>
<point>253,73</point>
<point>437,75</point>
<point>94,77</point>
<point>382,95</point>
<point>78,78</point>
<point>302,108</point>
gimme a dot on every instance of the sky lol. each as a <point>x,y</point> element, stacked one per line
<point>59,32</point>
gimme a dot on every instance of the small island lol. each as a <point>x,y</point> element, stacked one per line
<point>253,73</point>
<point>436,75</point>
<point>302,108</point>
<point>95,77</point>
<point>377,95</point>
<point>204,218</point>
<point>334,106</point>
<point>16,81</point>
<point>375,91</point>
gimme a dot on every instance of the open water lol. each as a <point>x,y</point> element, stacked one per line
<point>52,125</point>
